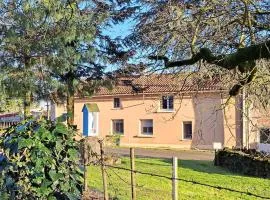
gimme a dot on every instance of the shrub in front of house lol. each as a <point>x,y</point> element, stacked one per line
<point>40,160</point>
<point>248,162</point>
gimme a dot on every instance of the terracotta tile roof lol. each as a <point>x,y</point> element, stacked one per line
<point>165,83</point>
<point>8,115</point>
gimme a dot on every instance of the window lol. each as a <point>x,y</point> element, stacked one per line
<point>118,126</point>
<point>116,102</point>
<point>167,103</point>
<point>265,135</point>
<point>187,129</point>
<point>147,127</point>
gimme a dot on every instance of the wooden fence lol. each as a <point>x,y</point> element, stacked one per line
<point>132,170</point>
<point>4,125</point>
<point>9,119</point>
<point>101,161</point>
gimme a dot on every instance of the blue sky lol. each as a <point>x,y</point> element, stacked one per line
<point>120,30</point>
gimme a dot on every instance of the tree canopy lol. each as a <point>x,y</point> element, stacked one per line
<point>61,47</point>
<point>55,47</point>
<point>232,35</point>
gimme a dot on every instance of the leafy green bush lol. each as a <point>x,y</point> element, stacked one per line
<point>41,161</point>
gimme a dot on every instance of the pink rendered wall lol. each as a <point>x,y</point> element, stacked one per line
<point>205,110</point>
<point>258,118</point>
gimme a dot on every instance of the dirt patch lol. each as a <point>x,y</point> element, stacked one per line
<point>93,195</point>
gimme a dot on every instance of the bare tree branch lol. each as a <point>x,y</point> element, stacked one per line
<point>227,61</point>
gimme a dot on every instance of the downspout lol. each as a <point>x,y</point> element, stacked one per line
<point>252,37</point>
<point>247,122</point>
<point>245,118</point>
<point>239,120</point>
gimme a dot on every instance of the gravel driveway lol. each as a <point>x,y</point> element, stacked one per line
<point>164,153</point>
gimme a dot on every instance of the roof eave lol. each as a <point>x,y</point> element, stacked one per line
<point>157,93</point>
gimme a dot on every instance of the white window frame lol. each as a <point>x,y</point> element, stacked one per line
<point>112,127</point>
<point>141,128</point>
<point>183,130</point>
<point>168,103</point>
<point>114,103</point>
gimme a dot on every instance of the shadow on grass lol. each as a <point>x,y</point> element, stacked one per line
<point>195,165</point>
<point>204,167</point>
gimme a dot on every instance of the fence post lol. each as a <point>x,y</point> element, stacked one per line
<point>105,189</point>
<point>174,179</point>
<point>133,181</point>
<point>84,165</point>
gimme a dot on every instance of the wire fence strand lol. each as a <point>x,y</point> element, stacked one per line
<point>189,181</point>
<point>109,167</point>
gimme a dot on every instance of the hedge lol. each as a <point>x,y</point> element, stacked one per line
<point>242,162</point>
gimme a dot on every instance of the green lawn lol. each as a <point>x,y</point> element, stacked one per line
<point>154,188</point>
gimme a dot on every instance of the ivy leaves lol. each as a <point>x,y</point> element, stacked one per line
<point>41,161</point>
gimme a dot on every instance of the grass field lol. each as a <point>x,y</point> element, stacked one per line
<point>155,188</point>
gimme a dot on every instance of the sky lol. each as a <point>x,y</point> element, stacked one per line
<point>121,30</point>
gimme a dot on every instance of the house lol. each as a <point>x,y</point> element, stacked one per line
<point>163,111</point>
<point>9,119</point>
<point>257,128</point>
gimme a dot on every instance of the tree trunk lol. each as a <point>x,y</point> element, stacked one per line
<point>27,104</point>
<point>70,103</point>
<point>27,97</point>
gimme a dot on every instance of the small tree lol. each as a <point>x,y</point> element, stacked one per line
<point>41,162</point>
<point>81,52</point>
<point>22,46</point>
<point>8,104</point>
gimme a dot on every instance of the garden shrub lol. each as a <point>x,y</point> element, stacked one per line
<point>40,161</point>
<point>246,162</point>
